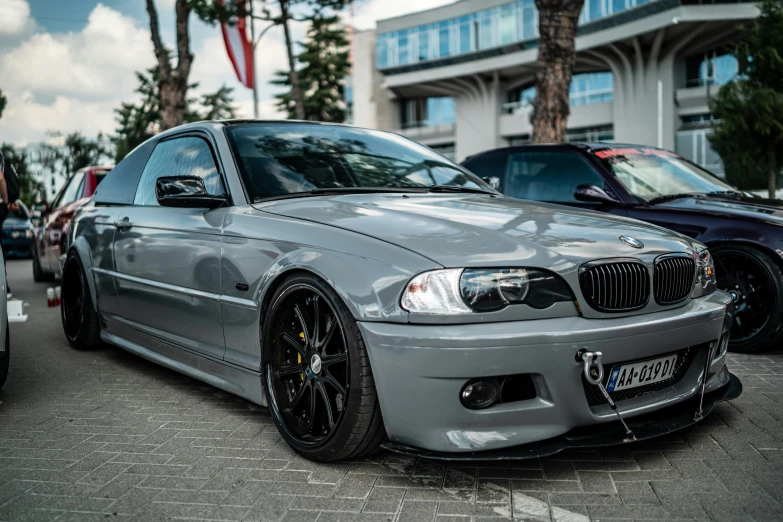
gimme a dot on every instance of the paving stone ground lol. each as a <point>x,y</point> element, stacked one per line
<point>105,435</point>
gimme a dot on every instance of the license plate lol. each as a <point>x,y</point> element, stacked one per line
<point>641,373</point>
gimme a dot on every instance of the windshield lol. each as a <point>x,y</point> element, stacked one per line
<point>289,158</point>
<point>655,173</point>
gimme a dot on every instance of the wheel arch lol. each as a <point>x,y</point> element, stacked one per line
<point>776,257</point>
<point>368,288</point>
<point>82,251</point>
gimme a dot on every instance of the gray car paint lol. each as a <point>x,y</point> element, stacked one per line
<point>367,247</point>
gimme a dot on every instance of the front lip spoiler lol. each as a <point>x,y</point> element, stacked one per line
<point>644,427</point>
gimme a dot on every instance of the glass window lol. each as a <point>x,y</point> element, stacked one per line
<point>382,51</point>
<point>595,9</point>
<point>424,43</point>
<point>189,156</point>
<point>529,22</point>
<point>618,5</point>
<point>485,34</point>
<point>402,48</point>
<point>465,40</point>
<point>71,192</point>
<point>444,37</point>
<point>508,24</point>
<point>652,173</point>
<point>548,176</point>
<point>279,159</point>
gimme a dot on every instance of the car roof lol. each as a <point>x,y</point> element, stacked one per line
<point>573,145</point>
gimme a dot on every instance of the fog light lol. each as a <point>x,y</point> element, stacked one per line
<point>479,394</point>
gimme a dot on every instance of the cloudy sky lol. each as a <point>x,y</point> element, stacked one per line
<point>65,65</point>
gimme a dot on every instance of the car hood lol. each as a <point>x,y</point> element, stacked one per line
<point>478,230</point>
<point>729,205</point>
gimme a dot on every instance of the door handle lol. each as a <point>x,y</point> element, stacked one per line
<point>123,224</point>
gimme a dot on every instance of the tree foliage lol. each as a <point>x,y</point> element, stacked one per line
<point>219,105</point>
<point>325,64</point>
<point>75,153</point>
<point>139,121</point>
<point>30,190</point>
<point>286,10</point>
<point>748,133</point>
<point>3,102</point>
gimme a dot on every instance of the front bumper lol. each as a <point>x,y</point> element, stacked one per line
<point>17,247</point>
<point>420,370</point>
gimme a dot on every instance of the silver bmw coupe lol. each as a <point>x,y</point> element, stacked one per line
<point>372,293</point>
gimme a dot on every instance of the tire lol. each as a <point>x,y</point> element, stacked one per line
<point>39,276</point>
<point>358,429</point>
<point>756,283</point>
<point>6,357</point>
<point>80,321</point>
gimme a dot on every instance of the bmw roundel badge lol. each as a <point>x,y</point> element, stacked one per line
<point>631,241</point>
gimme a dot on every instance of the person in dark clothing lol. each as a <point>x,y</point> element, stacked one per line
<point>5,205</point>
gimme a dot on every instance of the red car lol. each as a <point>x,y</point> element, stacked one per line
<point>51,235</point>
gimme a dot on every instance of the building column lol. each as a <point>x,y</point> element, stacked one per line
<point>477,106</point>
<point>640,117</point>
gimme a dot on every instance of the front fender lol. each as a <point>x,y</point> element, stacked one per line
<point>82,250</point>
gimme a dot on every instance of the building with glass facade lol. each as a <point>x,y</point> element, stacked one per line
<point>460,78</point>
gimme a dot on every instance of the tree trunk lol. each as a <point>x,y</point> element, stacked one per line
<point>772,174</point>
<point>293,75</point>
<point>173,83</point>
<point>557,21</point>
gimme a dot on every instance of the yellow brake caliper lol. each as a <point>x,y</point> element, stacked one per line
<point>299,355</point>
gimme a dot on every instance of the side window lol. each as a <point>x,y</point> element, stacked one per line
<point>489,166</point>
<point>71,192</point>
<point>548,176</point>
<point>189,156</point>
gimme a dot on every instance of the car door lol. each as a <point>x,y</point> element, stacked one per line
<point>167,260</point>
<point>56,220</point>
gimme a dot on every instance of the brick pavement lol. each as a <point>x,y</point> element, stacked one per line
<point>105,435</point>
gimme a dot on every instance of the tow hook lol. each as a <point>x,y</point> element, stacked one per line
<point>594,373</point>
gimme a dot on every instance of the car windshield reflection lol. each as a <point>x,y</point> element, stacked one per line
<point>292,159</point>
<point>654,174</point>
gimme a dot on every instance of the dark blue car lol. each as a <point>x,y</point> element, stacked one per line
<point>743,232</point>
<point>17,237</point>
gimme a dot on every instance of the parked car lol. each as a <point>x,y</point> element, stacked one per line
<point>17,239</point>
<point>743,232</point>
<point>366,289</point>
<point>52,233</point>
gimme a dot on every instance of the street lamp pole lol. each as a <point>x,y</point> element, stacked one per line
<point>255,42</point>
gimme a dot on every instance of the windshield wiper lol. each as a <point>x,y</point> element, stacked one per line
<point>670,197</point>
<point>335,190</point>
<point>458,188</point>
<point>729,193</point>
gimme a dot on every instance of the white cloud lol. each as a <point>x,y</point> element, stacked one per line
<point>366,14</point>
<point>74,81</point>
<point>15,17</point>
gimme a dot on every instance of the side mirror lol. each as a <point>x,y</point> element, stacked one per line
<point>493,182</point>
<point>185,191</point>
<point>593,194</point>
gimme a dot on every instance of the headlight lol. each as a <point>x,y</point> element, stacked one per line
<point>458,291</point>
<point>705,274</point>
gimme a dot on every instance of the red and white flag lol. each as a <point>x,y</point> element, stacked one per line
<point>239,47</point>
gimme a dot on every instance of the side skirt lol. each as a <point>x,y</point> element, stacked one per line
<point>227,377</point>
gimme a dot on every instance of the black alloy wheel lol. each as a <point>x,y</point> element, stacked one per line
<point>316,373</point>
<point>755,283</point>
<point>310,372</point>
<point>80,321</point>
